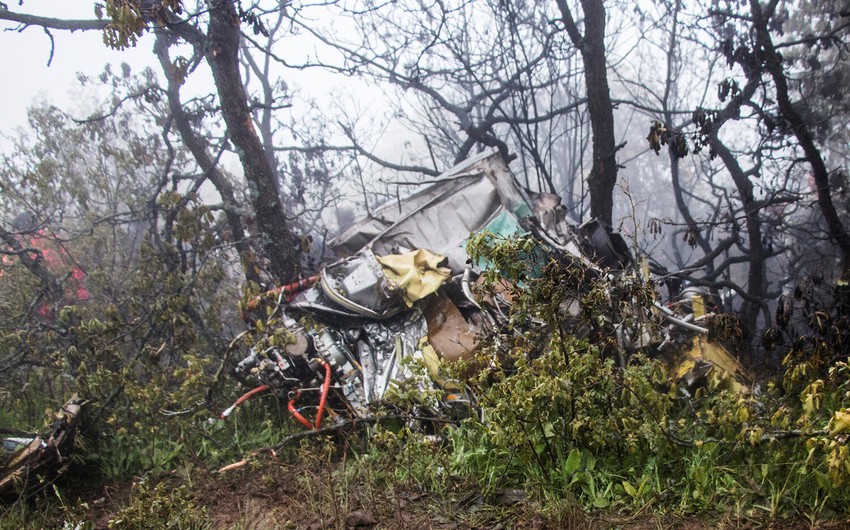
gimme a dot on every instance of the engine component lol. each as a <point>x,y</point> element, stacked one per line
<point>331,347</point>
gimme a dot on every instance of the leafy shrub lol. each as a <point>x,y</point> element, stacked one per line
<point>600,420</point>
<point>159,507</point>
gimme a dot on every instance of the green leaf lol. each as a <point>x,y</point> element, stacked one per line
<point>573,461</point>
<point>590,461</point>
<point>823,480</point>
<point>600,502</point>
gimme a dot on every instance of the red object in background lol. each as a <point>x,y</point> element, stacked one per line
<point>81,294</point>
<point>57,262</point>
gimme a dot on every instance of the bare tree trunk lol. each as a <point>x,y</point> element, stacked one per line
<point>800,129</point>
<point>603,173</point>
<point>756,280</point>
<point>276,236</point>
<point>197,146</point>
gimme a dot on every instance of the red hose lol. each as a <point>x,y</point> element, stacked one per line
<point>326,386</point>
<point>245,397</point>
<point>297,415</point>
<point>289,291</point>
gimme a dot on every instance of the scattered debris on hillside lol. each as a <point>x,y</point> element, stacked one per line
<point>338,342</point>
<point>406,292</point>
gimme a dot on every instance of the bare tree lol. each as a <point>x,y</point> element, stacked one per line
<point>761,18</point>
<point>492,74</point>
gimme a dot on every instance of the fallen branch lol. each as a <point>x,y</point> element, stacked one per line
<point>224,359</point>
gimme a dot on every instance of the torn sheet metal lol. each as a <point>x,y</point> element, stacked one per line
<point>376,287</point>
<point>358,284</point>
<point>392,298</point>
<point>400,295</point>
<point>383,347</point>
<point>41,457</point>
<point>451,335</point>
<point>607,247</point>
<point>477,193</point>
<point>415,274</point>
<point>366,320</point>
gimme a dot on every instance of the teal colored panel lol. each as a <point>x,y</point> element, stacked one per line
<point>505,226</point>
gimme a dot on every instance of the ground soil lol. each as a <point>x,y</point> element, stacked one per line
<point>269,494</point>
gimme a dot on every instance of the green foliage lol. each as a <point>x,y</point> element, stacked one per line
<point>159,507</point>
<point>412,458</point>
<point>125,455</point>
<point>565,419</point>
<point>143,348</point>
<point>21,516</point>
<point>128,20</point>
<point>573,406</point>
<point>564,423</point>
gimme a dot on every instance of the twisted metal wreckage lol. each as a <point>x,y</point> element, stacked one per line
<point>405,293</point>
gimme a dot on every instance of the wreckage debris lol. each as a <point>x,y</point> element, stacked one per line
<point>33,461</point>
<point>404,293</point>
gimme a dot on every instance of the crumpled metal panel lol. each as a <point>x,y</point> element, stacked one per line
<point>444,224</point>
<point>377,287</point>
<point>441,216</point>
<point>451,335</point>
<point>358,284</point>
<point>383,346</point>
<point>45,455</point>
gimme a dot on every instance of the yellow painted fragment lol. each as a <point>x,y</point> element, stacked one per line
<point>431,359</point>
<point>698,305</point>
<point>415,274</point>
<point>717,355</point>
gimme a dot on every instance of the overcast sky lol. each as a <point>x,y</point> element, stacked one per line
<point>24,57</point>
<point>27,77</point>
